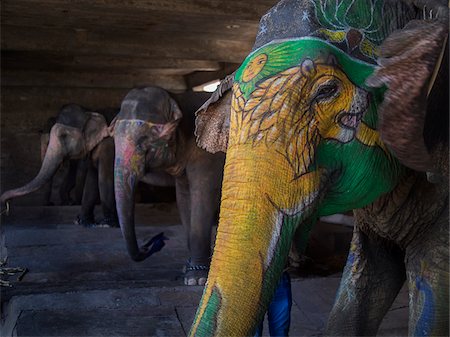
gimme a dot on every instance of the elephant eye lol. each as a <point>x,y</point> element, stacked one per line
<point>141,144</point>
<point>326,91</point>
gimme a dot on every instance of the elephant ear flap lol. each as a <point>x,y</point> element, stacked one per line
<point>212,123</point>
<point>112,126</point>
<point>175,111</point>
<point>409,61</point>
<point>95,130</point>
<point>174,116</point>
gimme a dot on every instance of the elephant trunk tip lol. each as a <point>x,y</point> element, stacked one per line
<point>155,244</point>
<point>137,257</point>
<point>6,197</point>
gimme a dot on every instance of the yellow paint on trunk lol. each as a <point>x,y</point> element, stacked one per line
<point>252,185</point>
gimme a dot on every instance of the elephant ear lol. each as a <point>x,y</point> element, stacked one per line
<point>173,119</point>
<point>95,130</point>
<point>409,60</point>
<point>175,111</point>
<point>212,122</point>
<point>112,126</point>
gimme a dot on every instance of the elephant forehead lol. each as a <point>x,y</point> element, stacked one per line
<point>356,27</point>
<point>279,56</point>
<point>133,124</point>
<point>60,127</point>
<point>146,104</point>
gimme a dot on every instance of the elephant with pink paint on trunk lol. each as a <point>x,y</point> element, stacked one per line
<point>154,136</point>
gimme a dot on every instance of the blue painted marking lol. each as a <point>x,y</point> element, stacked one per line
<point>425,322</point>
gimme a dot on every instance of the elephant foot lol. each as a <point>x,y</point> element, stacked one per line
<point>195,274</point>
<point>108,222</point>
<point>87,222</point>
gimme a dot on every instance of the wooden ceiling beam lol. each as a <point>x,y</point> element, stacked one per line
<point>35,60</point>
<point>201,77</point>
<point>85,43</point>
<point>125,43</point>
<point>27,78</point>
<point>244,10</point>
<point>199,28</point>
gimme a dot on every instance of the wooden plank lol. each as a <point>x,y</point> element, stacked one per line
<point>201,28</point>
<point>85,43</point>
<point>247,10</point>
<point>128,19</point>
<point>35,60</point>
<point>29,78</point>
<point>201,77</point>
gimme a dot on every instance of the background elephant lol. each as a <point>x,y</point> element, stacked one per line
<point>78,134</point>
<point>315,129</point>
<point>72,177</point>
<point>154,135</point>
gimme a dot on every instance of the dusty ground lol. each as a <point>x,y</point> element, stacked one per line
<point>80,282</point>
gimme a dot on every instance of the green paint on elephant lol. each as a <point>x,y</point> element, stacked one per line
<point>360,24</point>
<point>208,322</point>
<point>277,56</point>
<point>348,192</point>
<point>357,183</point>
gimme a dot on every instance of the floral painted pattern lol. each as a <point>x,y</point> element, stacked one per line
<point>357,25</point>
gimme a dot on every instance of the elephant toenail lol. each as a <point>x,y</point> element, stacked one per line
<point>192,282</point>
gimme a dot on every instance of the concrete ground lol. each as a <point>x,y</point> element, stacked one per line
<point>81,282</point>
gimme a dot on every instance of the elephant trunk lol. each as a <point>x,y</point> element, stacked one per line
<point>260,212</point>
<point>128,169</point>
<point>53,158</point>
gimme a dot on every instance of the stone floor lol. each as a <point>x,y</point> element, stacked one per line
<point>81,282</point>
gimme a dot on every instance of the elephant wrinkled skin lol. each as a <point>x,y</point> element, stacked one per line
<point>154,135</point>
<point>341,105</point>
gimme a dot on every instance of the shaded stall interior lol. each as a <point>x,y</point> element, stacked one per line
<point>55,52</point>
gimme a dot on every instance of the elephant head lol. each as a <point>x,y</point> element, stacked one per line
<point>310,135</point>
<point>75,133</point>
<point>144,135</point>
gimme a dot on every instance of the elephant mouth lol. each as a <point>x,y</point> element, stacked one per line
<point>350,120</point>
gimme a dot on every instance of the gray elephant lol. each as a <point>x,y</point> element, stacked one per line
<point>70,186</point>
<point>341,105</point>
<point>154,135</point>
<point>77,134</point>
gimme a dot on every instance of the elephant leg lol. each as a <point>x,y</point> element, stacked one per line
<point>184,202</point>
<point>47,192</point>
<point>47,189</point>
<point>427,265</point>
<point>77,191</point>
<point>204,177</point>
<point>105,166</point>
<point>372,278</point>
<point>68,182</point>
<point>60,183</point>
<point>184,208</point>
<point>90,197</point>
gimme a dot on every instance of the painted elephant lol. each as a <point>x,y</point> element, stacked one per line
<point>154,134</point>
<point>79,133</point>
<point>335,109</point>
